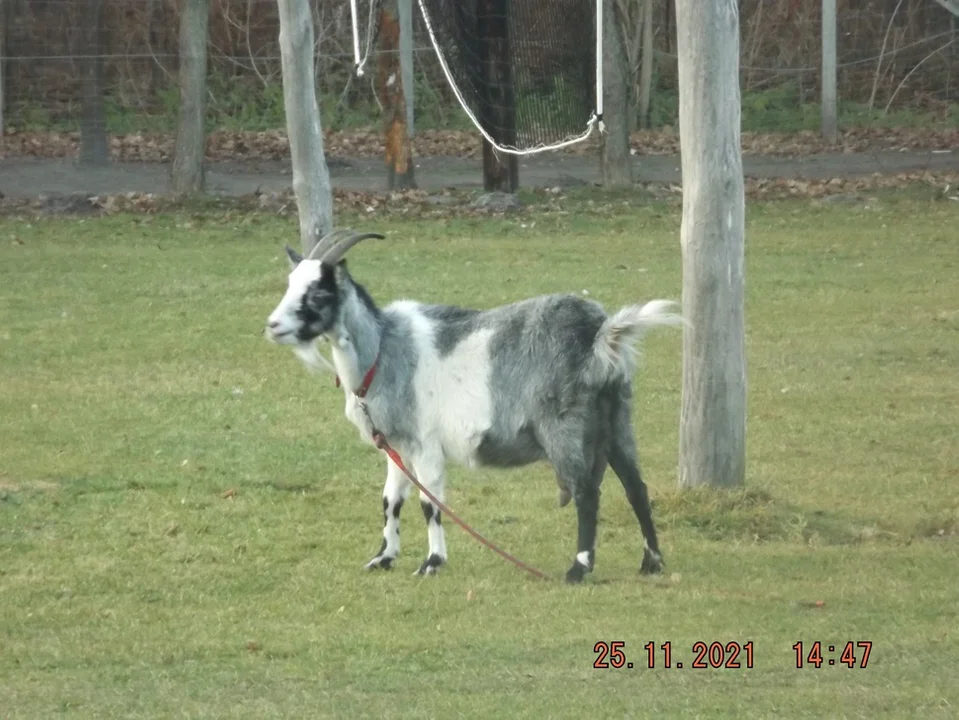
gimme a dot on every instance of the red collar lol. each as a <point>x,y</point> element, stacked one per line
<point>367,379</point>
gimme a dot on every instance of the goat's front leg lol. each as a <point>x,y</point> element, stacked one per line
<point>430,472</point>
<point>395,491</point>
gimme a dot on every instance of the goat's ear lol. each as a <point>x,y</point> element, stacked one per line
<point>340,272</point>
<point>329,274</point>
<point>294,256</point>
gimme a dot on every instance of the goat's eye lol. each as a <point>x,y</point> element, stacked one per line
<point>319,298</point>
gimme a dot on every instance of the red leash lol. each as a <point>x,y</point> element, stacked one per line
<point>381,443</point>
<point>380,440</point>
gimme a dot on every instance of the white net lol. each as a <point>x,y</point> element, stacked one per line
<point>526,72</point>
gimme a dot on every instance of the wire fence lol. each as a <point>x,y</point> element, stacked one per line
<point>898,62</point>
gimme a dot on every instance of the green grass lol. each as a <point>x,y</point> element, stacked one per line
<point>136,389</point>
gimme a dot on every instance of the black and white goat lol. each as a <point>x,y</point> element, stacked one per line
<point>548,378</point>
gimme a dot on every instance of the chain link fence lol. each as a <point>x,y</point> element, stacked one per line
<point>898,63</point>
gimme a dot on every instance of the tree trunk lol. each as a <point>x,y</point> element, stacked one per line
<point>405,8</point>
<point>668,32</point>
<point>153,41</point>
<point>391,90</point>
<point>187,174</point>
<point>94,149</point>
<point>646,73</point>
<point>498,112</point>
<point>713,419</point>
<point>4,24</point>
<point>615,159</point>
<point>311,177</point>
<point>830,109</point>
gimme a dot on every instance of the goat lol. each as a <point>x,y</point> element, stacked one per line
<point>547,378</point>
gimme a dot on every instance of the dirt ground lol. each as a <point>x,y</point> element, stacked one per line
<point>33,177</point>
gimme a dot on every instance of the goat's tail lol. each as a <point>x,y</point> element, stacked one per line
<point>614,350</point>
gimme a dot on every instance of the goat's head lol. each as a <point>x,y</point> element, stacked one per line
<point>312,301</point>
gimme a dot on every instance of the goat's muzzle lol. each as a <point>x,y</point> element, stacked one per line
<point>275,332</point>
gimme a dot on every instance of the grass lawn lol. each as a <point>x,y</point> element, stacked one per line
<point>185,512</point>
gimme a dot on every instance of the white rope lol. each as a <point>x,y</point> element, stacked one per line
<point>359,63</point>
<point>356,37</point>
<point>590,124</point>
<point>599,64</point>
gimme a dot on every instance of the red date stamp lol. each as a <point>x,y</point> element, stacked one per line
<point>853,654</point>
<point>731,655</point>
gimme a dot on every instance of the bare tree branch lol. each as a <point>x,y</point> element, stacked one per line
<point>915,67</point>
<point>882,53</point>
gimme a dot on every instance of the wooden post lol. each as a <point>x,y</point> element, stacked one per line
<point>615,159</point>
<point>187,173</point>
<point>712,429</point>
<point>94,148</point>
<point>498,111</point>
<point>311,176</point>
<point>390,88</point>
<point>830,110</point>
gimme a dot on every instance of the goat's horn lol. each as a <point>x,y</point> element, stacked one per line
<point>336,252</point>
<point>326,242</point>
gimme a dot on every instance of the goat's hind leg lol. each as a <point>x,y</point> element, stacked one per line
<point>623,461</point>
<point>580,468</point>
<point>586,495</point>
<point>394,494</point>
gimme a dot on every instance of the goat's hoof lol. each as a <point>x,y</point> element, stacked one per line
<point>564,497</point>
<point>380,562</point>
<point>652,563</point>
<point>431,565</point>
<point>576,573</point>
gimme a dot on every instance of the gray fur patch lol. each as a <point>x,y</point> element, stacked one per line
<point>394,402</point>
<point>539,350</point>
<point>452,324</point>
<point>503,451</point>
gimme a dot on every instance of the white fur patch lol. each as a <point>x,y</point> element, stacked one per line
<point>437,538</point>
<point>300,279</point>
<point>455,407</point>
<point>653,554</point>
<point>615,349</point>
<point>396,489</point>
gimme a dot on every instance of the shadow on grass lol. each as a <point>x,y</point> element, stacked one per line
<point>755,515</point>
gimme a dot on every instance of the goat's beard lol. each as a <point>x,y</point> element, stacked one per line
<point>310,355</point>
